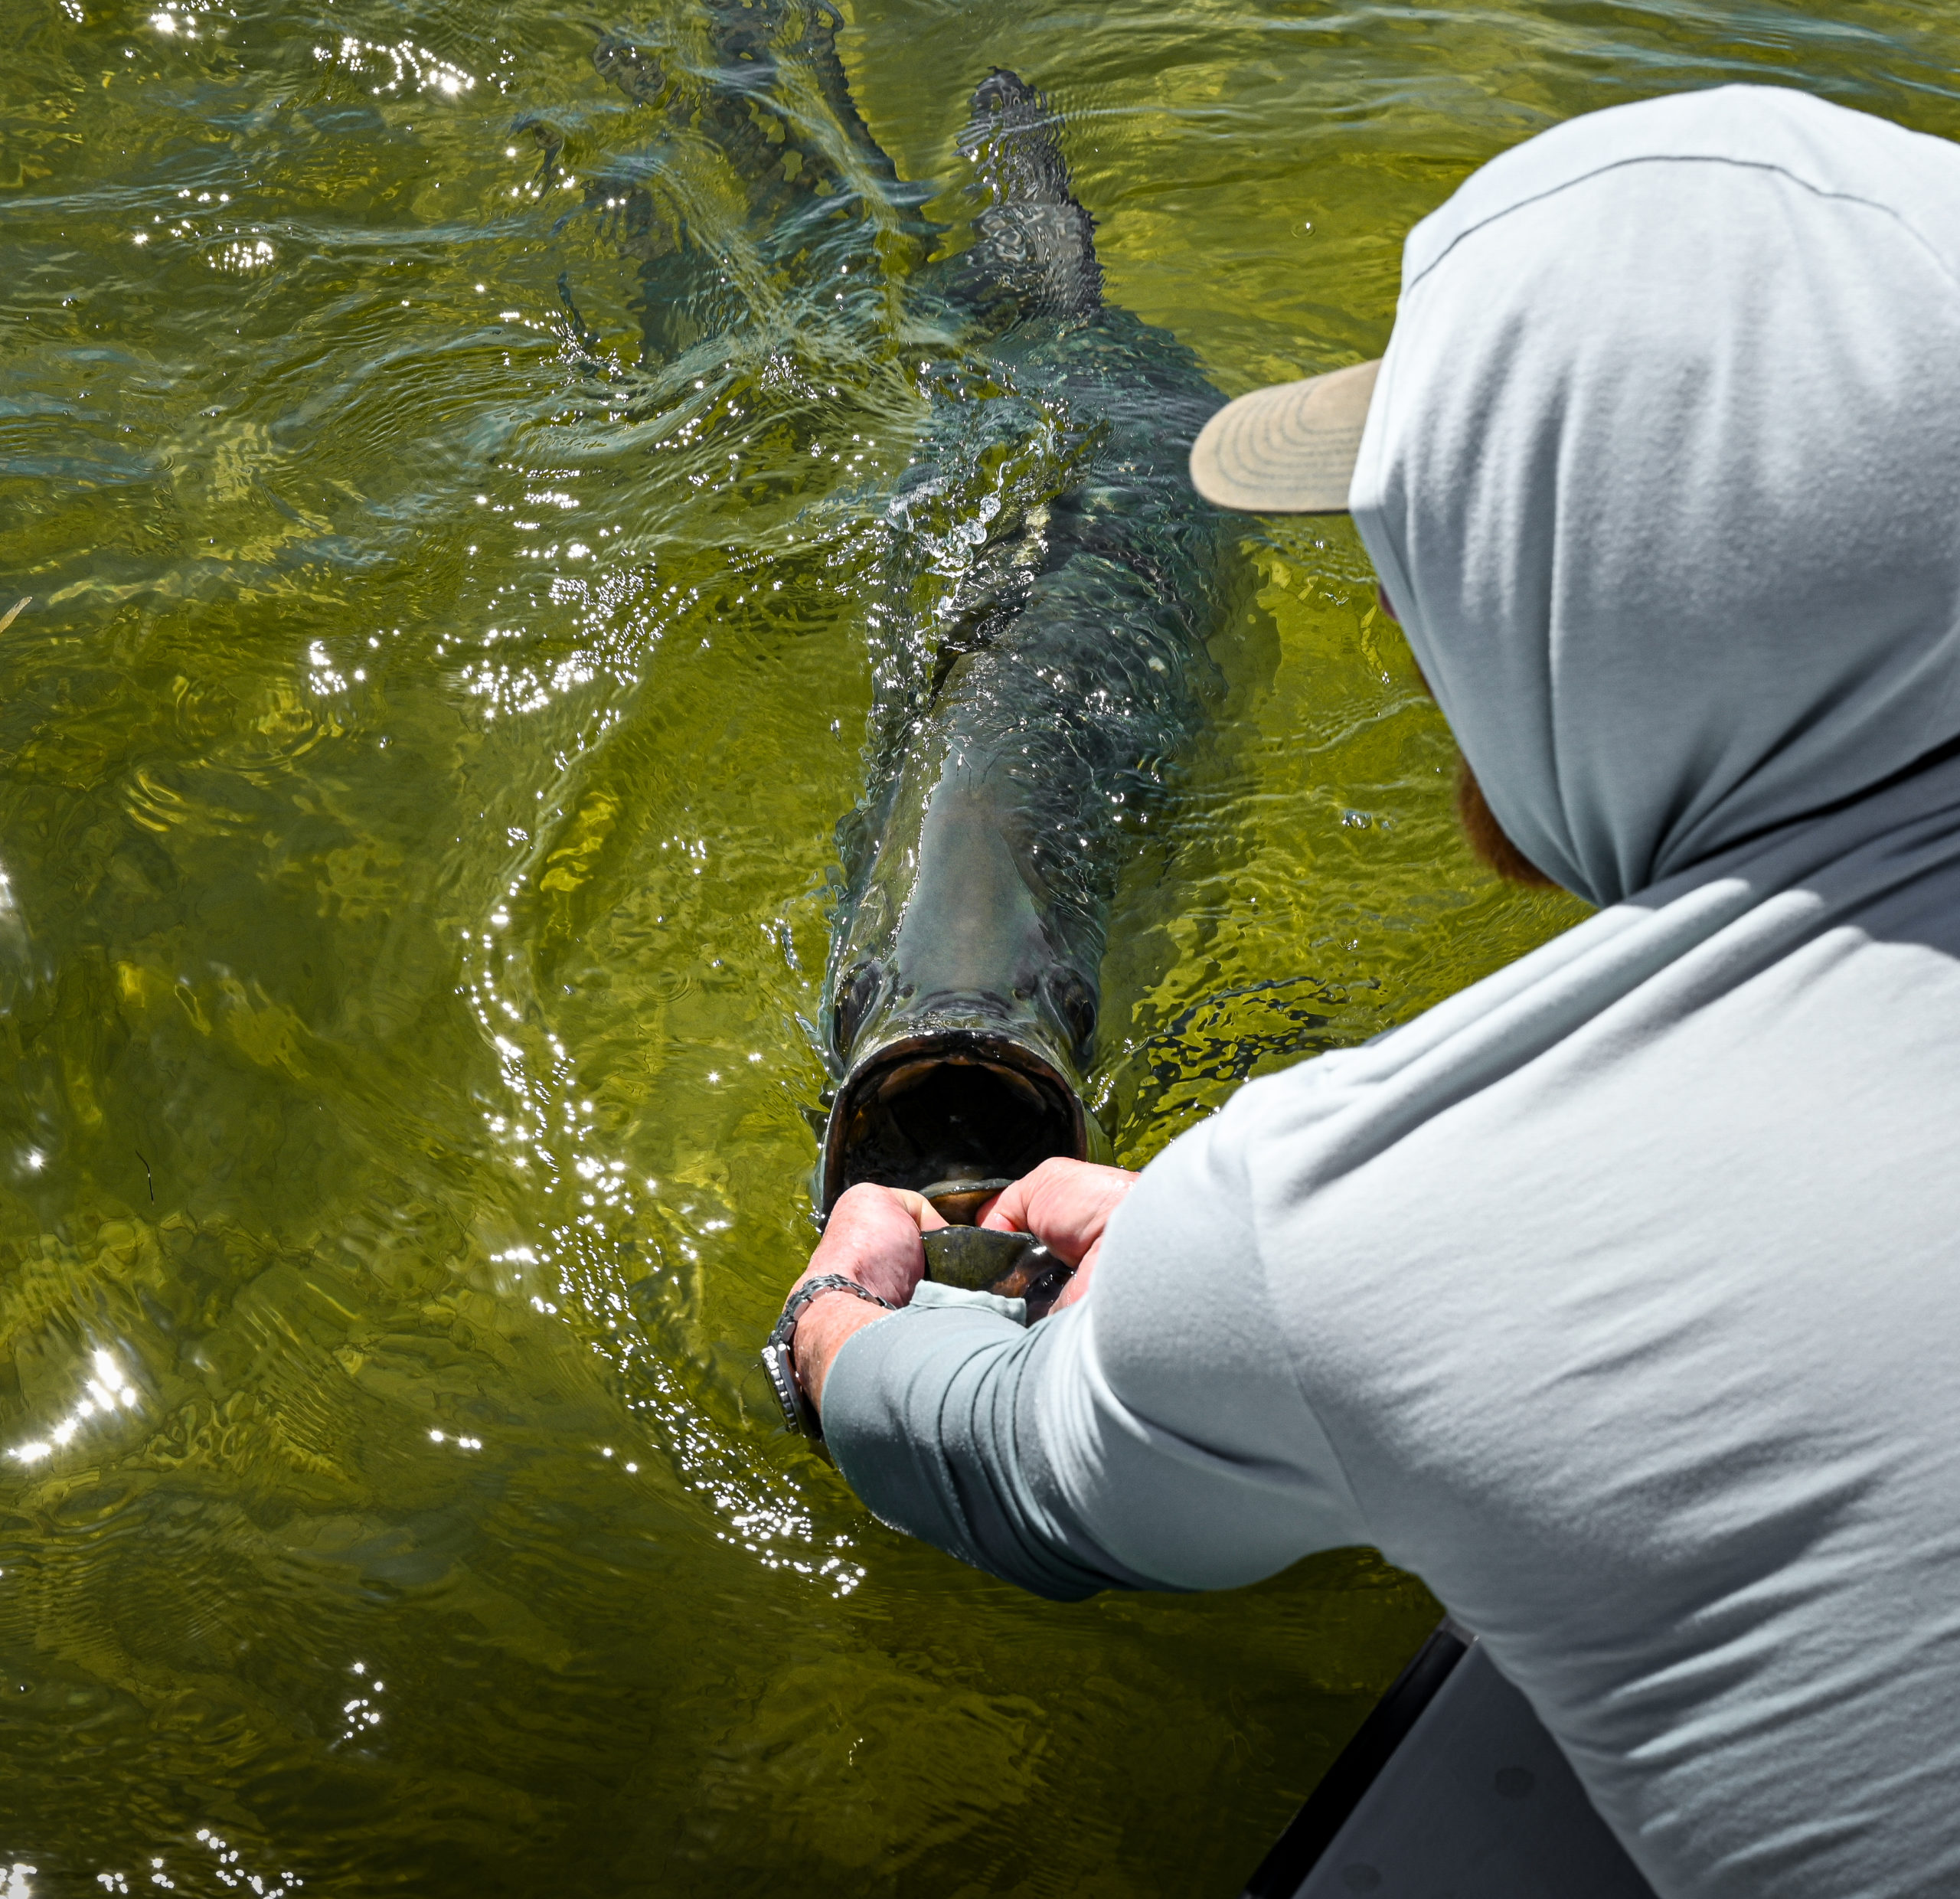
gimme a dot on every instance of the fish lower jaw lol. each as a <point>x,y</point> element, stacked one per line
<point>932,1104</point>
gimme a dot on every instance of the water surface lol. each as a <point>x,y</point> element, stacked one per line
<point>421,755</point>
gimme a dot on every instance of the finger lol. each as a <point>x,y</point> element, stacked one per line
<point>926,1216</point>
<point>867,1207</point>
<point>1036,1195</point>
<point>1003,1213</point>
<point>1065,1204</point>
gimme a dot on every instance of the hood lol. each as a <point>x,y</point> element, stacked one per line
<point>1662,473</point>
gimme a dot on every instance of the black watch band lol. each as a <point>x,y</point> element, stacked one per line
<point>779,1355</point>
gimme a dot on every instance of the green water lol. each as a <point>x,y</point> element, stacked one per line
<point>421,757</point>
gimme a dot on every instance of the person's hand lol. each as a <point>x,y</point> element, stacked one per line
<point>1065,1205</point>
<point>872,1237</point>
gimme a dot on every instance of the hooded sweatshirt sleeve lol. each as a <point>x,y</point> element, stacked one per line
<point>1153,1436</point>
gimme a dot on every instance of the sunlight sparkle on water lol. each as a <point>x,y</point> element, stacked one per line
<point>105,1393</point>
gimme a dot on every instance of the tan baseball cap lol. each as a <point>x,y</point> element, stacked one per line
<point>1286,450</point>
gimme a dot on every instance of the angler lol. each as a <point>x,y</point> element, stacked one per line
<point>1614,1296</point>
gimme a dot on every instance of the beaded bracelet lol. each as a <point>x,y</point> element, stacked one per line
<point>779,1356</point>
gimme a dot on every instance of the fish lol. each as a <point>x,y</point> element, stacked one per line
<point>1028,717</point>
<point>1070,672</point>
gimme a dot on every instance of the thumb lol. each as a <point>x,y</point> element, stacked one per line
<point>925,1215</point>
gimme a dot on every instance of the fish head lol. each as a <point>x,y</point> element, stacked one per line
<point>962,1023</point>
<point>951,1095</point>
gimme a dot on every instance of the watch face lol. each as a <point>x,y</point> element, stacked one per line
<point>788,1393</point>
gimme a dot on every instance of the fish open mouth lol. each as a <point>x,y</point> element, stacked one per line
<point>935,1109</point>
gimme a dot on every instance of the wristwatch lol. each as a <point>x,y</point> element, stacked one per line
<point>780,1357</point>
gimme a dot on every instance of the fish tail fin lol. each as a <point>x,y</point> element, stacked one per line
<point>1036,241</point>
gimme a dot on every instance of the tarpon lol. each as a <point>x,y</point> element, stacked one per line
<point>1022,728</point>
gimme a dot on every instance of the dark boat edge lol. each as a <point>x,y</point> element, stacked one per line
<point>1330,1805</point>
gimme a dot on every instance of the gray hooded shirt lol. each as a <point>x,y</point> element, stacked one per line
<point>1618,1296</point>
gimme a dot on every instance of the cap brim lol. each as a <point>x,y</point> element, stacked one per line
<point>1289,450</point>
